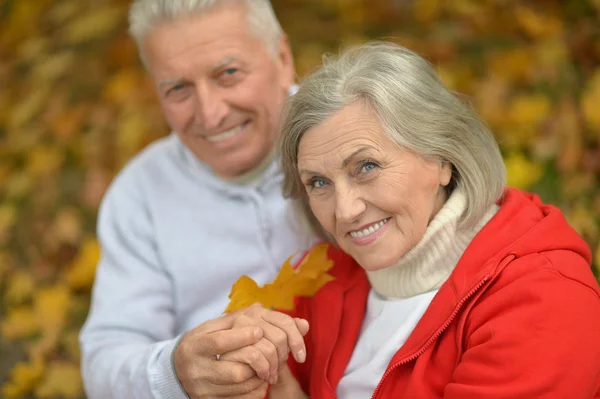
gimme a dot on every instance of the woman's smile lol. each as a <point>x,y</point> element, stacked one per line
<point>369,233</point>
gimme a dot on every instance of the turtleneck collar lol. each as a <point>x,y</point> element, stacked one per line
<point>429,264</point>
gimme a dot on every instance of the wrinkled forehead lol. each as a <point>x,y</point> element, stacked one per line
<point>339,137</point>
<point>205,38</point>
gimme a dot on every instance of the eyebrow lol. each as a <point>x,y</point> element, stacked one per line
<point>355,153</point>
<point>345,162</point>
<point>170,81</point>
<point>223,63</point>
<point>216,66</point>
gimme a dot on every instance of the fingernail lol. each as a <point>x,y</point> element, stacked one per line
<point>301,356</point>
<point>257,333</point>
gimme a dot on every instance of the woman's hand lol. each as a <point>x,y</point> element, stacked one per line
<point>281,334</point>
<point>287,387</point>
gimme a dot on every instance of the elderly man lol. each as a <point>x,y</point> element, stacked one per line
<point>195,211</point>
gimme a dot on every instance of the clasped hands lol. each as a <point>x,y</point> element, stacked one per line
<point>239,354</point>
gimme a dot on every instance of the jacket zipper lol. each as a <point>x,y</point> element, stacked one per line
<point>434,337</point>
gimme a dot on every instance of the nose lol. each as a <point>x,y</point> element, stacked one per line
<point>349,204</point>
<point>211,106</point>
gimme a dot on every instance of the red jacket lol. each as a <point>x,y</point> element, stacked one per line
<point>518,318</point>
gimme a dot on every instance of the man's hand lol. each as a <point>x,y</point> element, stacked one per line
<point>203,376</point>
<point>287,387</point>
<point>282,334</point>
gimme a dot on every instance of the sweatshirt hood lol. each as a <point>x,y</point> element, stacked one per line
<point>522,226</point>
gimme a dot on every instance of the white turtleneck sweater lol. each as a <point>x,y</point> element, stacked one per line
<point>401,293</point>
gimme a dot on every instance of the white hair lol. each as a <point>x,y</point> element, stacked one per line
<point>415,110</point>
<point>146,14</point>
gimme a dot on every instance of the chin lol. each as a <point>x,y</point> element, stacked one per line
<point>370,264</point>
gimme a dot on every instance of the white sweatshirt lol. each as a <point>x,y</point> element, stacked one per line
<point>174,239</point>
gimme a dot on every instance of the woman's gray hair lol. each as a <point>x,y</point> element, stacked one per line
<point>146,14</point>
<point>415,110</point>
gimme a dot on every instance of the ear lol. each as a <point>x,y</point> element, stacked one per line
<point>285,61</point>
<point>445,173</point>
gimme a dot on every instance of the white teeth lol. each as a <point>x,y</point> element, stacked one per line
<point>368,230</point>
<point>225,135</point>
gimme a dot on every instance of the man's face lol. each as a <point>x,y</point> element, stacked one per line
<point>220,89</point>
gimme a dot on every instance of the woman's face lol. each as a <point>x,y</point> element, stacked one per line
<point>374,197</point>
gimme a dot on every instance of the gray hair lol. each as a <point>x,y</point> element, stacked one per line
<point>146,14</point>
<point>415,110</point>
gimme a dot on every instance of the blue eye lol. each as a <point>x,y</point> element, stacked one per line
<point>318,183</point>
<point>230,71</point>
<point>177,87</point>
<point>368,166</point>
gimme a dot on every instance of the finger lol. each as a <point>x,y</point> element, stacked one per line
<point>295,340</point>
<point>224,322</point>
<point>219,342</point>
<point>302,325</point>
<point>269,350</point>
<point>278,338</point>
<point>258,393</point>
<point>224,372</point>
<point>230,390</point>
<point>252,356</point>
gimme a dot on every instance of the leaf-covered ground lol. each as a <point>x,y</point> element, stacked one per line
<point>75,105</point>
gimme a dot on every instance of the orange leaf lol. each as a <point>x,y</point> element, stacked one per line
<point>306,280</point>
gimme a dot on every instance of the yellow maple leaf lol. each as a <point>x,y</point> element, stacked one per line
<point>467,8</point>
<point>82,271</point>
<point>63,380</point>
<point>19,323</point>
<point>27,108</point>
<point>529,109</point>
<point>8,219</point>
<point>96,23</point>
<point>19,288</point>
<point>514,64</point>
<point>44,160</point>
<point>352,13</point>
<point>427,11</point>
<point>52,305</point>
<point>133,126</point>
<point>18,184</point>
<point>491,99</point>
<point>538,24</point>
<point>309,277</point>
<point>580,218</point>
<point>23,378</point>
<point>522,173</point>
<point>589,101</point>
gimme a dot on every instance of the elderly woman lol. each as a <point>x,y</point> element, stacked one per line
<point>447,284</point>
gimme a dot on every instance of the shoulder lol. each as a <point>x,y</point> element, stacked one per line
<point>155,162</point>
<point>548,291</point>
<point>555,273</point>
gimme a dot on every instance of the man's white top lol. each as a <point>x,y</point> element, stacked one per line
<point>174,239</point>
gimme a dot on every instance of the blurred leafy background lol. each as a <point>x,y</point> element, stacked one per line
<point>75,105</point>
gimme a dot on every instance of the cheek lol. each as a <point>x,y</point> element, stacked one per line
<point>179,116</point>
<point>324,212</point>
<point>263,97</point>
